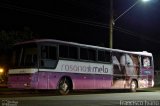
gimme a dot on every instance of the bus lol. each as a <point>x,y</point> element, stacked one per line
<point>65,66</point>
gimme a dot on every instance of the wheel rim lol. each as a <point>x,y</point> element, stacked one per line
<point>63,87</point>
<point>133,86</point>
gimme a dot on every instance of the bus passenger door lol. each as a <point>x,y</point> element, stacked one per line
<point>47,62</point>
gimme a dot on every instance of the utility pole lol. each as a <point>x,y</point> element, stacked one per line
<point>111,25</point>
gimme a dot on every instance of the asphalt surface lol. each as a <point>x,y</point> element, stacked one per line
<point>146,97</point>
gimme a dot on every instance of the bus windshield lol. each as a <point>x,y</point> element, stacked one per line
<point>25,56</point>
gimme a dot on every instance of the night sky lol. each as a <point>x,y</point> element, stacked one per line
<point>86,21</point>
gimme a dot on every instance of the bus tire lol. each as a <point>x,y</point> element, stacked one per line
<point>64,86</point>
<point>133,86</point>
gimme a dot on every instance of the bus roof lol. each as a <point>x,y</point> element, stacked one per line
<point>83,45</point>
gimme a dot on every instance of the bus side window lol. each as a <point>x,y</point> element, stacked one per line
<point>104,56</point>
<point>73,52</point>
<point>48,56</point>
<point>49,52</point>
<point>88,54</point>
<point>107,56</point>
<point>92,54</point>
<point>44,52</point>
<point>52,53</point>
<point>146,61</point>
<point>83,53</point>
<point>28,59</point>
<point>34,58</point>
<point>70,52</point>
<point>63,51</point>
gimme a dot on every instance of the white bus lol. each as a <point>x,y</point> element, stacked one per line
<point>66,66</point>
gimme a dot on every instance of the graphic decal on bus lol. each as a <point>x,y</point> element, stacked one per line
<point>83,67</point>
<point>125,67</point>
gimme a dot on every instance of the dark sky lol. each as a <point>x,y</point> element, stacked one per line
<point>86,21</point>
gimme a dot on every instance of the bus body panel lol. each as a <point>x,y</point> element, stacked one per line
<point>50,80</point>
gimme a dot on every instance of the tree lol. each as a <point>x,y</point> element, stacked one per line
<point>8,38</point>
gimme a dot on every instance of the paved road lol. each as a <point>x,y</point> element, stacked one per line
<point>92,99</point>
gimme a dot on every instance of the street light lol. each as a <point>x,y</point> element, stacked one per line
<point>112,21</point>
<point>1,70</point>
<point>145,0</point>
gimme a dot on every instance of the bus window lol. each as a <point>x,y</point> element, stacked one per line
<point>16,57</point>
<point>25,56</point>
<point>83,54</point>
<point>48,56</point>
<point>63,51</point>
<point>146,61</point>
<point>104,56</point>
<point>68,52</point>
<point>73,52</point>
<point>88,54</point>
<point>91,54</point>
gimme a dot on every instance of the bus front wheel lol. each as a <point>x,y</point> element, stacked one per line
<point>64,86</point>
<point>133,86</point>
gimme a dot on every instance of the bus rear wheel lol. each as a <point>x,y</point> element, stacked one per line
<point>133,86</point>
<point>64,86</point>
